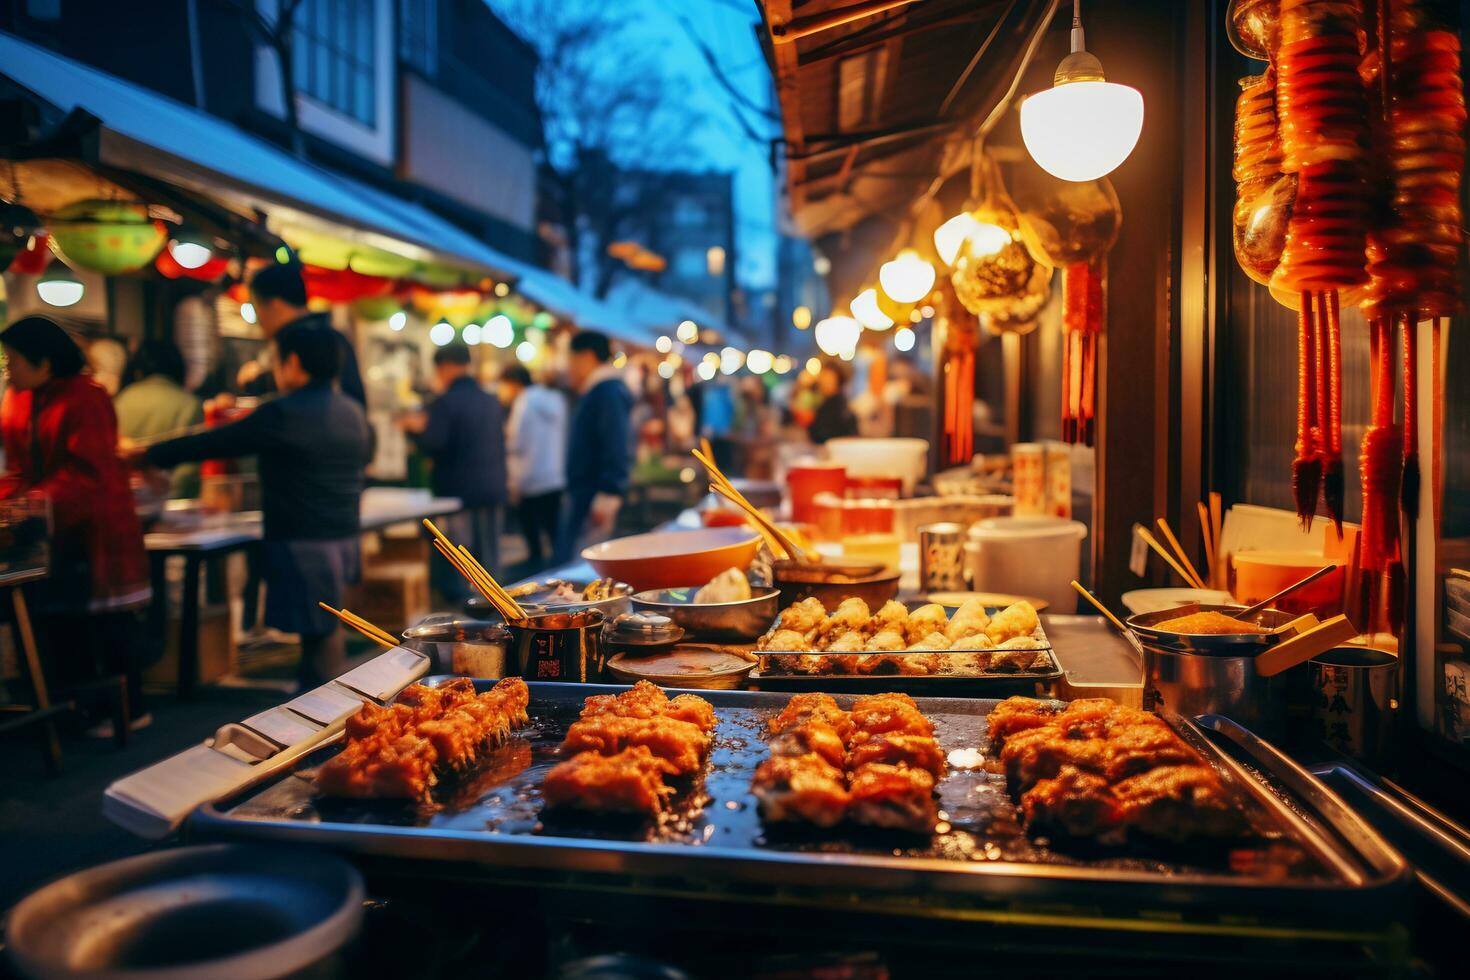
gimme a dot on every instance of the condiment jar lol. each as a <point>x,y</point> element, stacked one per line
<point>641,634</point>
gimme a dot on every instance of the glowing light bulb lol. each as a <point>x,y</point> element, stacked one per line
<point>731,360</point>
<point>525,352</point>
<point>949,236</point>
<point>1082,130</point>
<point>760,361</point>
<point>441,333</point>
<point>813,366</point>
<point>908,278</point>
<point>688,332</point>
<point>987,239</point>
<point>838,335</point>
<point>500,331</point>
<point>707,370</point>
<point>783,365</point>
<point>396,322</point>
<point>801,317</point>
<point>59,286</point>
<point>247,312</point>
<point>190,254</point>
<point>903,339</point>
<point>663,345</point>
<point>471,333</point>
<point>865,310</point>
<point>665,370</point>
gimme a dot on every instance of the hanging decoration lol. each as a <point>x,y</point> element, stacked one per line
<point>992,267</point>
<point>34,257</point>
<point>18,229</point>
<point>342,285</point>
<point>211,270</point>
<point>1072,225</point>
<point>110,237</point>
<point>1369,119</point>
<point>959,331</point>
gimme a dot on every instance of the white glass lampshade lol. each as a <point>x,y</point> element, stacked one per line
<point>949,236</point>
<point>499,331</point>
<point>865,310</point>
<point>908,278</point>
<point>1082,130</point>
<point>59,286</point>
<point>189,254</point>
<point>838,335</point>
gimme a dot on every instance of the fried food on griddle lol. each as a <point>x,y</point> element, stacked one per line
<point>895,797</point>
<point>887,640</point>
<point>1074,803</point>
<point>395,752</point>
<point>1017,619</point>
<point>679,743</point>
<point>800,789</point>
<point>924,621</point>
<point>812,736</point>
<point>970,618</point>
<point>887,697</point>
<point>933,641</point>
<point>693,709</point>
<point>881,718</point>
<point>1100,770</point>
<point>639,702</point>
<point>1179,803</point>
<point>812,707</point>
<point>630,781</point>
<point>914,751</point>
<point>1016,714</point>
<point>891,617</point>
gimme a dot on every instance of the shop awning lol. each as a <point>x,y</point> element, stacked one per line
<point>145,132</point>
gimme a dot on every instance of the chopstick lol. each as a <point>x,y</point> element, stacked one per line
<point>367,629</point>
<point>1153,543</point>
<point>1206,532</point>
<point>1217,526</point>
<point>467,565</point>
<point>1168,532</point>
<point>1097,604</point>
<point>720,484</point>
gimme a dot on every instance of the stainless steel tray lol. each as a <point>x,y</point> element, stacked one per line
<point>991,683</point>
<point>1315,860</point>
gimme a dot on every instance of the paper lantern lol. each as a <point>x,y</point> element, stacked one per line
<point>110,237</point>
<point>211,270</point>
<point>342,285</point>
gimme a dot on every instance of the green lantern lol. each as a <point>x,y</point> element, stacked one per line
<point>110,237</point>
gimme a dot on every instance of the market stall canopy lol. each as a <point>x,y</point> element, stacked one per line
<point>875,93</point>
<point>662,313</point>
<point>144,132</point>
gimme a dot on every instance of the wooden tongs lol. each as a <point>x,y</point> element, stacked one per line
<point>1302,639</point>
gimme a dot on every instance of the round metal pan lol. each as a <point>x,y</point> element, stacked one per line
<point>1217,644</point>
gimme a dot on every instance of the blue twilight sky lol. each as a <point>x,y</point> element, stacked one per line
<point>727,28</point>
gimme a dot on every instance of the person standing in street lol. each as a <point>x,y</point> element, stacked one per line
<point>834,418</point>
<point>278,294</point>
<point>599,447</point>
<point>536,448</point>
<point>61,442</point>
<point>463,432</point>
<point>312,444</point>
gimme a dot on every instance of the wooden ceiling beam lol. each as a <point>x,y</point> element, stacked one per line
<point>795,28</point>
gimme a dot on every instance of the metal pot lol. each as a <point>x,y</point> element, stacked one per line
<point>1353,701</point>
<point>1214,674</point>
<point>461,646</point>
<point>558,647</point>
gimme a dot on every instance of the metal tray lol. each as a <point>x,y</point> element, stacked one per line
<point>985,684</point>
<point>1310,866</point>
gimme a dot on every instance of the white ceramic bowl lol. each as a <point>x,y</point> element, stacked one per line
<point>1141,601</point>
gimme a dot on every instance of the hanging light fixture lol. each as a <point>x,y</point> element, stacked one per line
<point>472,333</point>
<point>949,236</point>
<point>837,335</point>
<point>760,361</point>
<point>664,344</point>
<point>441,333</point>
<point>1084,126</point>
<point>903,339</point>
<point>908,278</point>
<point>59,286</point>
<point>189,248</point>
<point>865,310</point>
<point>499,331</point>
<point>688,332</point>
<point>396,322</point>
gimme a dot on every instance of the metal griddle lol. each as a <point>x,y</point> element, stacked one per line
<point>1313,860</point>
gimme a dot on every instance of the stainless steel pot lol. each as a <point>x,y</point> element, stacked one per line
<point>1197,674</point>
<point>558,647</point>
<point>461,646</point>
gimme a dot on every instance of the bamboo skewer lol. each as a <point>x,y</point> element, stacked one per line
<point>1206,532</point>
<point>367,629</point>
<point>771,540</point>
<point>1097,604</point>
<point>1153,543</point>
<point>467,565</point>
<point>1168,532</point>
<point>720,484</point>
<point>1216,526</point>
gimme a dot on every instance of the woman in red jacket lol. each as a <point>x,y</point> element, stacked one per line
<point>60,436</point>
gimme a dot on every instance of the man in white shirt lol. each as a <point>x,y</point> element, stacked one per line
<point>536,435</point>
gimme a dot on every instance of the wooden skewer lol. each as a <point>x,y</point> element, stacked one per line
<point>467,565</point>
<point>367,629</point>
<point>1168,532</point>
<point>1217,521</point>
<point>1097,604</point>
<point>722,485</point>
<point>1153,543</point>
<point>770,539</point>
<point>1205,532</point>
<point>767,530</point>
<point>515,607</point>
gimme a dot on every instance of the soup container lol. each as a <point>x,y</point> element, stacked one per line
<point>862,456</point>
<point>558,647</point>
<point>1354,700</point>
<point>1028,555</point>
<point>461,646</point>
<point>1214,674</point>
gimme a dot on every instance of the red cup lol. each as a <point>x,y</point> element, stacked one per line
<point>805,480</point>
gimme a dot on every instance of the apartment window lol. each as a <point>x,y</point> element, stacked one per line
<point>334,56</point>
<point>418,22</point>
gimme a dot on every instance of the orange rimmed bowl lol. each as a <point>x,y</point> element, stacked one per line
<point>670,559</point>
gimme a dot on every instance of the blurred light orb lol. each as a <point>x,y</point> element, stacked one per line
<point>500,331</point>
<point>441,333</point>
<point>865,310</point>
<point>908,278</point>
<point>760,361</point>
<point>525,352</point>
<point>903,339</point>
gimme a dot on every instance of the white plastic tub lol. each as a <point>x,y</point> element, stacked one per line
<point>1035,556</point>
<point>907,459</point>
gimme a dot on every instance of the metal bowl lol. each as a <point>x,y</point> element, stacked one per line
<point>713,622</point>
<point>798,582</point>
<point>461,646</point>
<point>1218,644</point>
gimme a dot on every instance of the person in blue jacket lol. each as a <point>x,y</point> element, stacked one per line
<point>463,432</point>
<point>599,444</point>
